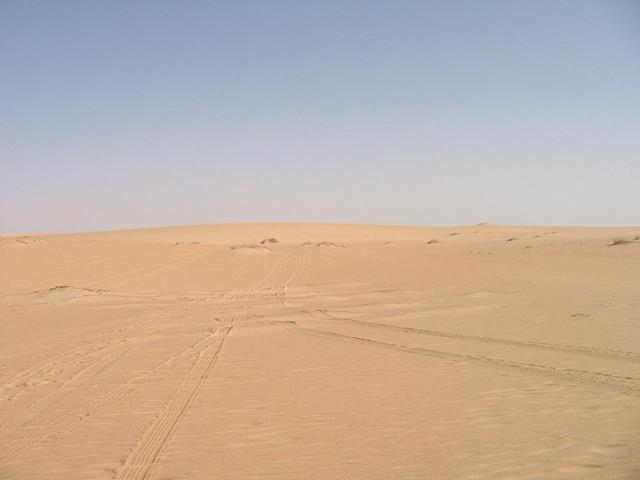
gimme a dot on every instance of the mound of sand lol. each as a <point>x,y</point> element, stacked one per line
<point>620,241</point>
<point>54,295</point>
<point>25,240</point>
<point>321,244</point>
<point>433,241</point>
<point>328,244</point>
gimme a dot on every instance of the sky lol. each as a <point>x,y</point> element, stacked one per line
<point>128,114</point>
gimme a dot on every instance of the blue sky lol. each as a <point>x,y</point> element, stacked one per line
<point>128,114</point>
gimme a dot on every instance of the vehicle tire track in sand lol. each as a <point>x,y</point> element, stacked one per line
<point>49,401</point>
<point>282,257</point>
<point>65,266</point>
<point>289,264</point>
<point>138,463</point>
<point>626,385</point>
<point>563,348</point>
<point>21,440</point>
<point>78,380</point>
<point>100,355</point>
<point>299,259</point>
<point>146,272</point>
<point>97,342</point>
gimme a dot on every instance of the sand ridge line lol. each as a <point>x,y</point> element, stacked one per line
<point>606,381</point>
<point>564,348</point>
<point>138,463</point>
<point>20,440</point>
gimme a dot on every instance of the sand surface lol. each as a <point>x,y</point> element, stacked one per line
<point>324,352</point>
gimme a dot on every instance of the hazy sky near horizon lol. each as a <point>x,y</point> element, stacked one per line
<point>129,114</point>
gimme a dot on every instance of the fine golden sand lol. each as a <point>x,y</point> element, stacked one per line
<point>299,351</point>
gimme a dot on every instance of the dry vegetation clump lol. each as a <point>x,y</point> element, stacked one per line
<point>327,244</point>
<point>269,240</point>
<point>619,241</point>
<point>252,246</point>
<point>321,244</point>
<point>27,240</point>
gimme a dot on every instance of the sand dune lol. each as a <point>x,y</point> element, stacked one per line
<point>321,351</point>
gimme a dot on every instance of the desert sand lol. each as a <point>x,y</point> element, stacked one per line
<point>300,351</point>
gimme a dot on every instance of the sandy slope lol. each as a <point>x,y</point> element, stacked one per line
<point>337,352</point>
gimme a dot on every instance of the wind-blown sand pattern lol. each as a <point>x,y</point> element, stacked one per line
<point>258,351</point>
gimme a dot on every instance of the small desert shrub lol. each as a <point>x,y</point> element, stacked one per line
<point>327,244</point>
<point>245,245</point>
<point>619,241</point>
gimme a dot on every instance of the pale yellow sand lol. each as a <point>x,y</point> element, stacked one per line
<point>330,352</point>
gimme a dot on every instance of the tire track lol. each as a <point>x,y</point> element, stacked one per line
<point>287,232</point>
<point>289,264</point>
<point>49,401</point>
<point>64,266</point>
<point>96,343</point>
<point>245,298</point>
<point>98,355</point>
<point>626,385</point>
<point>99,364</point>
<point>36,371</point>
<point>139,462</point>
<point>301,260</point>
<point>44,428</point>
<point>276,267</point>
<point>156,269</point>
<point>563,348</point>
